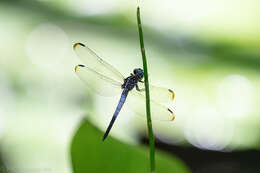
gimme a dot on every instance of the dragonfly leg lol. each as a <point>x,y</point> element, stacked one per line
<point>138,89</point>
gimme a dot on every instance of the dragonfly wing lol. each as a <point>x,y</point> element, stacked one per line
<point>137,102</point>
<point>94,62</point>
<point>158,94</point>
<point>101,84</point>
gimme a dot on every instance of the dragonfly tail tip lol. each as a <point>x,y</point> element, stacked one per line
<point>104,137</point>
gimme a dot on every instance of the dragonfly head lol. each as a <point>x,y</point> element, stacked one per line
<point>139,73</point>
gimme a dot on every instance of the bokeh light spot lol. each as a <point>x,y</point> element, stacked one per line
<point>235,96</point>
<point>47,44</point>
<point>207,129</point>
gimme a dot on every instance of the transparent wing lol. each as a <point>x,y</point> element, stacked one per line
<point>94,62</point>
<point>158,94</point>
<point>101,84</point>
<point>137,103</point>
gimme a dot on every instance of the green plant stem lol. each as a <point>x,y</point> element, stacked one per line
<point>147,94</point>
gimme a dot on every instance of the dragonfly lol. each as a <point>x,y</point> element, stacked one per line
<point>106,80</point>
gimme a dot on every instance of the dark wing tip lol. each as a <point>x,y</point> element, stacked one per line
<point>77,66</point>
<point>172,94</point>
<point>78,44</point>
<point>173,116</point>
<point>81,65</point>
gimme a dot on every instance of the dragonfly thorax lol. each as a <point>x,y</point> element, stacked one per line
<point>131,81</point>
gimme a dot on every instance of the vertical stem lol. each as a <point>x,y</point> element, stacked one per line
<point>147,94</point>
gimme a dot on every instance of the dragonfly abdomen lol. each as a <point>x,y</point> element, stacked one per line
<point>118,108</point>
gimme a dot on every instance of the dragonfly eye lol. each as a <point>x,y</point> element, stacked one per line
<point>139,72</point>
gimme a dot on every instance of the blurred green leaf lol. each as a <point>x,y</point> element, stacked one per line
<point>90,154</point>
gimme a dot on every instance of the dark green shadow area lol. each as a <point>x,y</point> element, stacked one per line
<point>90,154</point>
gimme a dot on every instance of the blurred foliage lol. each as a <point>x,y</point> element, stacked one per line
<point>222,52</point>
<point>90,154</point>
<point>3,168</point>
